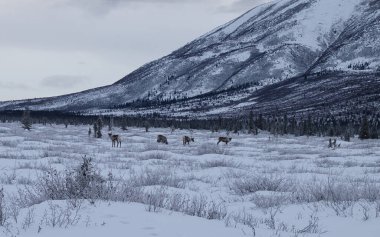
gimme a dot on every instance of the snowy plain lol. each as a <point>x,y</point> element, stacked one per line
<point>257,185</point>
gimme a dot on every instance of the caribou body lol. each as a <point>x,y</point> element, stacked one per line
<point>187,140</point>
<point>116,139</point>
<point>224,139</point>
<point>162,139</point>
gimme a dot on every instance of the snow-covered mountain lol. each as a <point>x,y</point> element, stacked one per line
<point>275,42</point>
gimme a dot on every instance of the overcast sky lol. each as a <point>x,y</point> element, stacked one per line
<point>54,47</point>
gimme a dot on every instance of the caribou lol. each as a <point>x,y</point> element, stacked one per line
<point>187,140</point>
<point>116,139</point>
<point>224,139</point>
<point>162,139</point>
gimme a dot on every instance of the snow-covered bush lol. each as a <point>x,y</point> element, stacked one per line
<point>2,207</point>
<point>219,163</point>
<point>256,183</point>
<point>152,177</point>
<point>208,148</point>
<point>84,182</point>
<point>154,155</point>
<point>10,143</point>
<point>338,195</point>
<point>272,200</point>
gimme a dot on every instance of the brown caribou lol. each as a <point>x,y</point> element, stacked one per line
<point>224,139</point>
<point>187,140</point>
<point>116,139</point>
<point>162,139</point>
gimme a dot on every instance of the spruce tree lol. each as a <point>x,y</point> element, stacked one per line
<point>26,121</point>
<point>251,124</point>
<point>124,124</point>
<point>95,129</point>
<point>99,127</point>
<point>364,129</point>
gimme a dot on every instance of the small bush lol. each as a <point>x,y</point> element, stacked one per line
<point>84,182</point>
<point>266,201</point>
<point>208,148</point>
<point>156,155</point>
<point>10,143</point>
<point>219,163</point>
<point>152,177</point>
<point>253,184</point>
<point>2,207</point>
<point>338,195</point>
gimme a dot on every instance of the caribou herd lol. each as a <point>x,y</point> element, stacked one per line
<point>116,139</point>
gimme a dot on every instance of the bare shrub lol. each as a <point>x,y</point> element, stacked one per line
<point>152,177</point>
<point>219,163</point>
<point>253,184</point>
<point>10,143</point>
<point>338,195</point>
<point>2,207</point>
<point>84,182</point>
<point>176,202</point>
<point>126,192</point>
<point>311,228</point>
<point>24,181</point>
<point>267,201</point>
<point>365,210</point>
<point>377,208</point>
<point>201,207</point>
<point>154,147</point>
<point>208,148</point>
<point>58,216</point>
<point>326,163</point>
<point>194,206</point>
<point>349,164</point>
<point>29,219</point>
<point>244,218</point>
<point>8,178</point>
<point>271,220</point>
<point>155,155</point>
<point>155,199</point>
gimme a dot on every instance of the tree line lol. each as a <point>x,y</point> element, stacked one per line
<point>365,125</point>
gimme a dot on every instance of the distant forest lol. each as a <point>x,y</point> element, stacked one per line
<point>365,124</point>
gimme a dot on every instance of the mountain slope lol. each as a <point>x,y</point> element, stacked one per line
<point>268,44</point>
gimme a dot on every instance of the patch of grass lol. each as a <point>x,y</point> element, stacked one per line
<point>219,163</point>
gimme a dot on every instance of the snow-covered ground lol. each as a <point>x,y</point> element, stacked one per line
<point>257,185</point>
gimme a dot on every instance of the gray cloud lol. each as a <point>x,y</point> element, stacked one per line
<point>102,39</point>
<point>104,6</point>
<point>63,81</point>
<point>11,85</point>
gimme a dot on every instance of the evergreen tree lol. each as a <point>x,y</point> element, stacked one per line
<point>98,126</point>
<point>285,125</point>
<point>373,133</point>
<point>95,129</point>
<point>25,120</point>
<point>110,125</point>
<point>124,123</point>
<point>146,126</point>
<point>364,129</point>
<point>251,124</point>
<point>260,122</point>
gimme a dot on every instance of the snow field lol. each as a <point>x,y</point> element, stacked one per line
<point>257,185</point>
